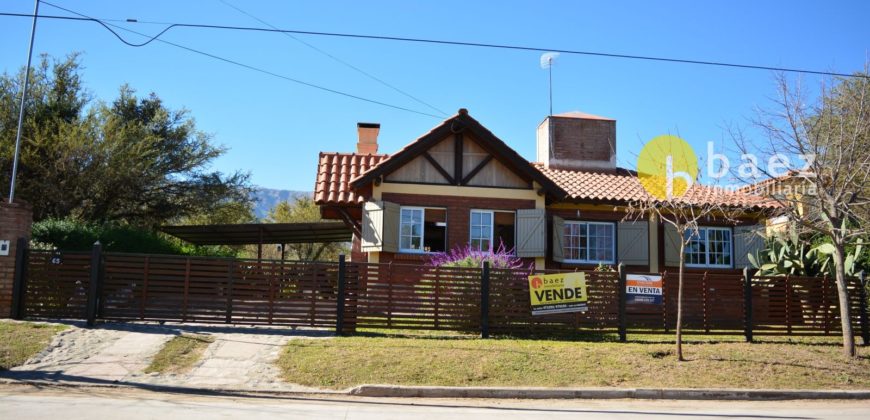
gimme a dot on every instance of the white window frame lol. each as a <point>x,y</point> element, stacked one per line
<point>491,227</point>
<point>588,261</point>
<point>707,247</point>
<point>422,249</point>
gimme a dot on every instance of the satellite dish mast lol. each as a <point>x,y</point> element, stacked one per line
<point>547,61</point>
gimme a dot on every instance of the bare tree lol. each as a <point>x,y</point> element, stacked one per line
<point>684,213</point>
<point>828,193</point>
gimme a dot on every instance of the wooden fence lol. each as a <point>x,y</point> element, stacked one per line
<point>356,296</point>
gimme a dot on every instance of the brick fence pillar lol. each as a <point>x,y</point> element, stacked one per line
<point>15,222</point>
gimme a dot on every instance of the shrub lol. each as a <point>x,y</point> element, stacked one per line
<point>73,235</point>
<point>468,257</point>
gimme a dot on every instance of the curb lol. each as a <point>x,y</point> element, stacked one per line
<point>605,393</point>
<point>527,393</point>
<point>172,389</point>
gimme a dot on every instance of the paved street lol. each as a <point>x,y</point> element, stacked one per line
<point>30,403</point>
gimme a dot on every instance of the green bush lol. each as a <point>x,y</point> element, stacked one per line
<point>73,235</point>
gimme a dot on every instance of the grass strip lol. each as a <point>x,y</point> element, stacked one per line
<point>20,341</point>
<point>342,362</point>
<point>179,354</point>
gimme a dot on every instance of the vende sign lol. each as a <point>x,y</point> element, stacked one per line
<point>643,289</point>
<point>557,293</point>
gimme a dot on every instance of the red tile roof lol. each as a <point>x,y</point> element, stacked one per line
<point>334,173</point>
<point>623,185</point>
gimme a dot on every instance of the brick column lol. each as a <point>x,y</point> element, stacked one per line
<point>15,222</point>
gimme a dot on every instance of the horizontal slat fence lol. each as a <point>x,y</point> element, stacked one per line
<point>194,289</point>
<point>510,307</point>
<point>416,297</point>
<point>793,305</point>
<point>397,296</point>
<point>57,284</point>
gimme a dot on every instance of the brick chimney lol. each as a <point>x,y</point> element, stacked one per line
<point>577,141</point>
<point>368,138</point>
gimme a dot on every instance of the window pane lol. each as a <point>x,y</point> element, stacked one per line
<point>411,229</point>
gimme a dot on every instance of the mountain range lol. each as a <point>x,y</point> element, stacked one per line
<point>266,198</point>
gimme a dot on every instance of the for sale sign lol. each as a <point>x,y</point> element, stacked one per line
<point>558,293</point>
<point>643,288</point>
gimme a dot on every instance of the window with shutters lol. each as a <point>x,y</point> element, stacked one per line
<point>422,230</point>
<point>588,242</point>
<point>491,229</point>
<point>709,247</point>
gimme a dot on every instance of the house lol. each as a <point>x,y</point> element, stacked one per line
<point>796,196</point>
<point>459,184</point>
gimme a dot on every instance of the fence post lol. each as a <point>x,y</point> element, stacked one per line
<point>94,286</point>
<point>621,294</point>
<point>484,301</point>
<point>231,265</point>
<point>342,284</point>
<point>19,282</point>
<point>747,304</point>
<point>865,325</point>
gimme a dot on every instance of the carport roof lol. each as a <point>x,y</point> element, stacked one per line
<point>262,233</point>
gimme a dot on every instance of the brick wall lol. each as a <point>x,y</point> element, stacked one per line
<point>15,221</point>
<point>578,143</point>
<point>458,215</point>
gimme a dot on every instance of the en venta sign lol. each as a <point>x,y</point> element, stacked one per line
<point>643,289</point>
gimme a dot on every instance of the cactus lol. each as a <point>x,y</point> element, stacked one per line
<point>793,256</point>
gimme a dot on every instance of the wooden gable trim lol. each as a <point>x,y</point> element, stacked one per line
<point>476,169</point>
<point>438,167</point>
<point>405,155</point>
<point>458,153</point>
<point>486,139</point>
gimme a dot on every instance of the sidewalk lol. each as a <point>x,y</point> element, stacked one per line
<point>240,357</point>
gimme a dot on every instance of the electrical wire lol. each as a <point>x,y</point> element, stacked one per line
<point>334,58</point>
<point>240,64</point>
<point>460,43</point>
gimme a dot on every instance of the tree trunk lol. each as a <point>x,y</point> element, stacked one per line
<point>680,302</point>
<point>843,295</point>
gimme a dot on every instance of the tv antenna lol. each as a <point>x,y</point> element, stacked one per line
<point>547,61</point>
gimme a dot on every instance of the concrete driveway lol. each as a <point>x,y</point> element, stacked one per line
<point>241,357</point>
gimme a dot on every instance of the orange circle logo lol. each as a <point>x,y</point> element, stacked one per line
<point>537,282</point>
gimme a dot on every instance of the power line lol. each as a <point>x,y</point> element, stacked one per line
<point>109,27</point>
<point>474,44</point>
<point>339,60</point>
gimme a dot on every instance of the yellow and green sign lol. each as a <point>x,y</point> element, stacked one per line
<point>558,293</point>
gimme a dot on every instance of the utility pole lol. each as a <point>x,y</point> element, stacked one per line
<point>23,99</point>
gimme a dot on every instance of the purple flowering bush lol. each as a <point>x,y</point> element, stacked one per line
<point>466,256</point>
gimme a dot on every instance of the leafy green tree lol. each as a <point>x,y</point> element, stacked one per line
<point>302,209</point>
<point>132,161</point>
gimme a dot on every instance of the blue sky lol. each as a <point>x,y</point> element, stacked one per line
<point>274,129</point>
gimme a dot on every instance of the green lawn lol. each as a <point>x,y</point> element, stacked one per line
<point>179,354</point>
<point>644,362</point>
<point>21,340</point>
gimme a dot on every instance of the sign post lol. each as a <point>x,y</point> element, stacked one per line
<point>558,293</point>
